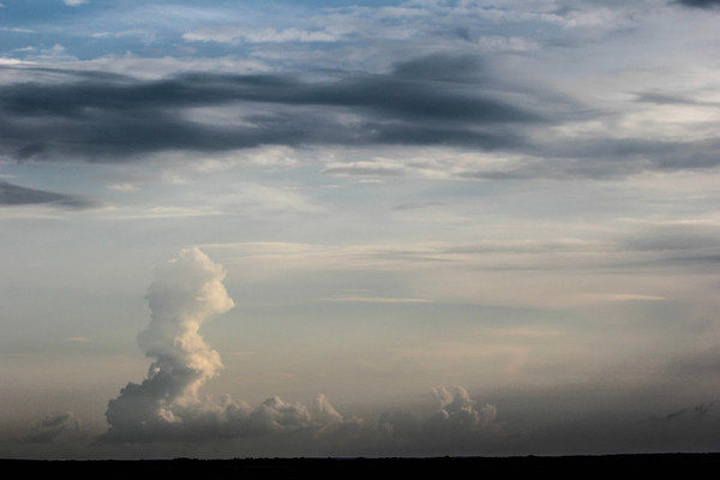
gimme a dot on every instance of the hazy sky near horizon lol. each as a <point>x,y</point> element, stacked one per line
<point>360,228</point>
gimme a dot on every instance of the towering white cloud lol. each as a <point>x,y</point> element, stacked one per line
<point>168,404</point>
<point>188,290</point>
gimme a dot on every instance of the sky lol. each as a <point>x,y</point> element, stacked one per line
<point>380,228</point>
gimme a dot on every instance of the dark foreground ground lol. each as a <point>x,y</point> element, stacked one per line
<point>373,469</point>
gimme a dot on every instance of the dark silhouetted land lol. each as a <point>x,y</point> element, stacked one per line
<point>296,468</point>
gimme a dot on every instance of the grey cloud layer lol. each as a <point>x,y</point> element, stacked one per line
<point>450,101</point>
<point>99,117</point>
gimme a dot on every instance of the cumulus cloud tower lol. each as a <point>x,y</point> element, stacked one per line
<point>186,292</point>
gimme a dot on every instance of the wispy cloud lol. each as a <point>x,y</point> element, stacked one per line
<point>237,35</point>
<point>16,195</point>
<point>366,299</point>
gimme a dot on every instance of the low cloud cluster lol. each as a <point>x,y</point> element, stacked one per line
<point>169,407</point>
<point>458,425</point>
<point>55,427</point>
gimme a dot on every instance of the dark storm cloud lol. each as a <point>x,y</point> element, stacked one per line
<point>13,195</point>
<point>100,117</point>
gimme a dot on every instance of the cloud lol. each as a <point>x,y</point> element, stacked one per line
<point>503,253</point>
<point>110,117</point>
<point>458,410</point>
<point>188,290</point>
<point>238,35</point>
<point>55,427</point>
<point>366,299</point>
<point>14,195</point>
<point>699,3</point>
<point>678,244</point>
<point>168,405</point>
<point>627,267</point>
<point>463,103</point>
<point>454,103</point>
<point>441,67</point>
<point>457,425</point>
<point>669,99</point>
